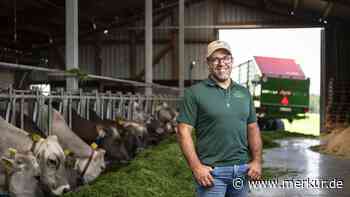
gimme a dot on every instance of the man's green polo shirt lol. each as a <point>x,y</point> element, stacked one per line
<point>220,117</point>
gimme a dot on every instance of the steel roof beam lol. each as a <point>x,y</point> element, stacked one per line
<point>339,2</point>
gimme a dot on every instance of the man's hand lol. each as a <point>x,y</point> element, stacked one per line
<point>201,172</point>
<point>254,171</point>
<point>203,176</point>
<point>255,146</point>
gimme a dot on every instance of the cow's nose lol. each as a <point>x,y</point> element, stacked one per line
<point>66,190</point>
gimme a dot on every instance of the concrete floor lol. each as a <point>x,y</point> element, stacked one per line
<point>295,155</point>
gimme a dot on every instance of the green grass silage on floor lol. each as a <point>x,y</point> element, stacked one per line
<point>268,137</point>
<point>159,171</point>
<point>309,125</point>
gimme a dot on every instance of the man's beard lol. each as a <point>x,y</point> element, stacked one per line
<point>221,76</point>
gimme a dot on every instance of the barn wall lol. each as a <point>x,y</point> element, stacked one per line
<point>7,78</point>
<point>337,76</point>
<point>337,49</point>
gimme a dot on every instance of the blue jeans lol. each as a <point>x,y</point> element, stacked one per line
<point>229,181</point>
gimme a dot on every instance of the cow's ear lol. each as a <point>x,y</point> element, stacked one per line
<point>8,163</point>
<point>112,132</point>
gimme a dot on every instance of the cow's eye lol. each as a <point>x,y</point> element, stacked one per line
<point>19,162</point>
<point>52,162</point>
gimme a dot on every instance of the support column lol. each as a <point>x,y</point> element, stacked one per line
<point>175,50</point>
<point>72,55</point>
<point>323,93</point>
<point>148,45</point>
<point>98,52</point>
<point>181,45</point>
<point>132,54</point>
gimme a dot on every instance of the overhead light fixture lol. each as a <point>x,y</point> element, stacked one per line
<point>105,31</point>
<point>292,13</point>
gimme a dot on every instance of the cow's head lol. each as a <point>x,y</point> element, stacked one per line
<point>155,126</point>
<point>51,159</point>
<point>114,145</point>
<point>24,170</point>
<point>91,167</point>
<point>138,131</point>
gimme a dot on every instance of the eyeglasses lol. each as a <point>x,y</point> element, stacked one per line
<point>225,60</point>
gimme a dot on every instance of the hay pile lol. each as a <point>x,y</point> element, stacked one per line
<point>337,142</point>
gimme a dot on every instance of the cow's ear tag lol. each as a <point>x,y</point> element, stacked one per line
<point>94,146</point>
<point>12,152</point>
<point>36,137</point>
<point>67,152</point>
<point>120,121</point>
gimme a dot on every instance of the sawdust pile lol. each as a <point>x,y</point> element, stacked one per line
<point>337,142</point>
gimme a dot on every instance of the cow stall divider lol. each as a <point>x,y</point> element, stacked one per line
<point>16,104</point>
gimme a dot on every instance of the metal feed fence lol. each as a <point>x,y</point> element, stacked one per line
<point>107,105</point>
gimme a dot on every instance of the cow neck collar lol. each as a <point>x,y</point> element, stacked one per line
<point>87,164</point>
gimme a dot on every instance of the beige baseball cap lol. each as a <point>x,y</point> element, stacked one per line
<point>218,44</point>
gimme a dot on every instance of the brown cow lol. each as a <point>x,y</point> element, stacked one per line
<point>134,134</point>
<point>102,133</point>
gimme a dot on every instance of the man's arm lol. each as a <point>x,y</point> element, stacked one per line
<point>200,171</point>
<point>255,146</point>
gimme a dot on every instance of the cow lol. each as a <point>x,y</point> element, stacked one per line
<point>156,131</point>
<point>139,115</point>
<point>21,171</point>
<point>103,133</point>
<point>48,153</point>
<point>89,160</point>
<point>167,115</point>
<point>133,133</point>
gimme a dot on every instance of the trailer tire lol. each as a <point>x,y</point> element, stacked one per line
<point>263,124</point>
<point>267,124</point>
<point>278,125</point>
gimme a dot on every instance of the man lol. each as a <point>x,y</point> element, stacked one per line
<point>228,146</point>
